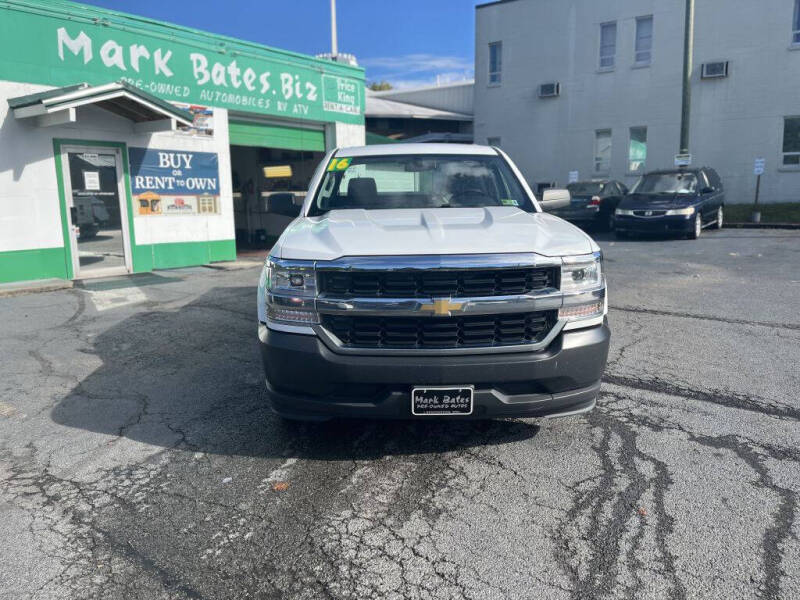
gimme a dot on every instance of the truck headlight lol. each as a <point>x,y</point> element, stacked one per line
<point>687,212</point>
<point>290,291</point>
<point>581,273</point>
<point>583,285</point>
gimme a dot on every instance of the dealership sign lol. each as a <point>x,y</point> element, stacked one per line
<point>174,181</point>
<point>177,65</point>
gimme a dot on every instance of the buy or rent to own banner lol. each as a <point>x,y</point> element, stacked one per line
<point>174,182</point>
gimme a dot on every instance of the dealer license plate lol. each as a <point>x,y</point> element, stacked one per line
<point>432,401</point>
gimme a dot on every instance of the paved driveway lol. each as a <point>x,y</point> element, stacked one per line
<point>138,458</point>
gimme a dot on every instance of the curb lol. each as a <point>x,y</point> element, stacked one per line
<point>761,225</point>
<point>36,286</point>
<point>234,265</point>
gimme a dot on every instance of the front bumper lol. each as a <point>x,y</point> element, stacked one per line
<point>662,224</point>
<point>307,380</point>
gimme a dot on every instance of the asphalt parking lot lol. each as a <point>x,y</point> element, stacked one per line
<point>138,458</point>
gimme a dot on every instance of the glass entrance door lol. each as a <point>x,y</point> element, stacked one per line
<point>99,223</point>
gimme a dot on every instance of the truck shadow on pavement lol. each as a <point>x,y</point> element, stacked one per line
<point>191,378</point>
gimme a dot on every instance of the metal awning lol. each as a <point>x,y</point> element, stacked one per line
<point>57,106</point>
<point>377,107</point>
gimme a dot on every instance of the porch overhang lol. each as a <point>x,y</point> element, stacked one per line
<point>58,106</point>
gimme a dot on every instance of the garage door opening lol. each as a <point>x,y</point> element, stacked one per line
<point>271,169</point>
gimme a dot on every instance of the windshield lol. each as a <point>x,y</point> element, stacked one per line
<point>588,188</point>
<point>414,181</point>
<point>666,183</point>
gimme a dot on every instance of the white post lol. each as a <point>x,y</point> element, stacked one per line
<point>334,41</point>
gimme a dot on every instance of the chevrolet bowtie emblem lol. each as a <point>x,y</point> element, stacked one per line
<point>442,307</point>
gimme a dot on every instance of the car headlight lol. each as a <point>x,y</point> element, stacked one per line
<point>688,211</point>
<point>623,212</point>
<point>584,288</point>
<point>290,291</point>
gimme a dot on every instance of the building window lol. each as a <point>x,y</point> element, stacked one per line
<point>493,141</point>
<point>796,23</point>
<point>644,40</point>
<point>791,142</point>
<point>495,62</point>
<point>637,149</point>
<point>602,151</point>
<point>608,45</point>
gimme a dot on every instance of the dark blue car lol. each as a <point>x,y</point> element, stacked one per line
<point>677,201</point>
<point>592,203</point>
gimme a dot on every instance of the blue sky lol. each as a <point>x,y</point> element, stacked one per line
<point>406,42</point>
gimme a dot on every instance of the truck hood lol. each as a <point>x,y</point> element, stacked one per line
<point>492,230</point>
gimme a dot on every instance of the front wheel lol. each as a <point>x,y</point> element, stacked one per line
<point>698,227</point>
<point>720,218</point>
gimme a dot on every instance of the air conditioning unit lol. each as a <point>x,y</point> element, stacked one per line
<point>714,70</point>
<point>549,90</point>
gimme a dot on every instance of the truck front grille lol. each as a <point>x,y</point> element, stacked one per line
<point>471,331</point>
<point>433,283</point>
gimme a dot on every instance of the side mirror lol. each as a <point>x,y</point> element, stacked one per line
<point>708,190</point>
<point>554,199</point>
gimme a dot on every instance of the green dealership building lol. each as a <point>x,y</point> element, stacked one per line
<point>128,144</point>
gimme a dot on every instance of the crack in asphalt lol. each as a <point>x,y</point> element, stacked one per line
<point>726,399</point>
<point>783,519</point>
<point>685,315</point>
<point>80,298</point>
<point>604,537</point>
<point>399,534</point>
<point>67,509</point>
<point>636,338</point>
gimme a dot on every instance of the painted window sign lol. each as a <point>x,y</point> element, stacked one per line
<point>339,164</point>
<point>60,48</point>
<point>174,182</point>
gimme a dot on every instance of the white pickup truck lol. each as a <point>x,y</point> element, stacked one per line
<point>424,281</point>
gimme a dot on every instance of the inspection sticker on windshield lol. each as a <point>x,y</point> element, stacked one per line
<point>339,164</point>
<point>509,202</point>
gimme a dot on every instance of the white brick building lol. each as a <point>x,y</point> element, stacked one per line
<point>618,67</point>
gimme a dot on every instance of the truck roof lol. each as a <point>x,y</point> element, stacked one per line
<point>396,149</point>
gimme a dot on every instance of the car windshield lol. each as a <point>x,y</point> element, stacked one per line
<point>418,181</point>
<point>666,183</point>
<point>587,188</point>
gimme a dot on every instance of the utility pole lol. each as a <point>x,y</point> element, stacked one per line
<point>334,41</point>
<point>688,50</point>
